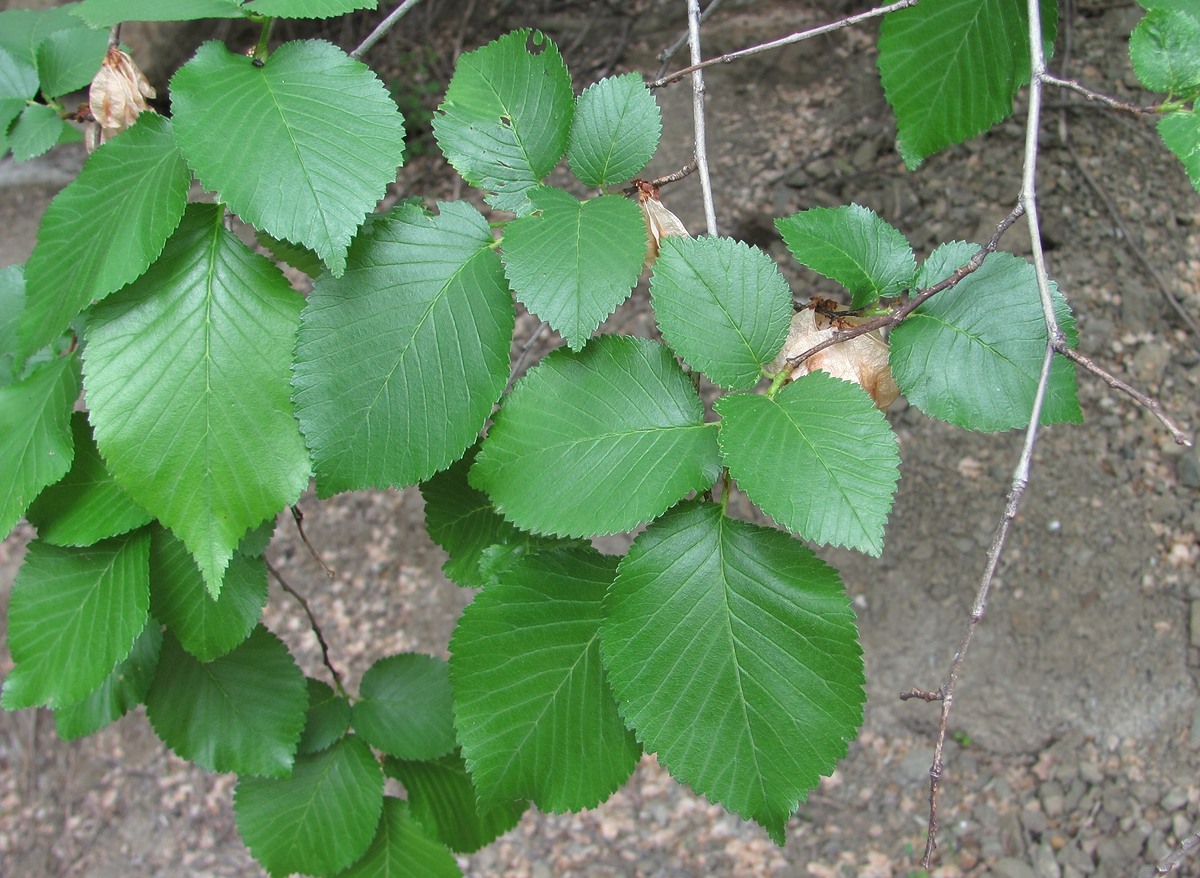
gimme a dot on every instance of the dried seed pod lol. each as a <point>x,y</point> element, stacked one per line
<point>118,94</point>
<point>862,359</point>
<point>660,222</point>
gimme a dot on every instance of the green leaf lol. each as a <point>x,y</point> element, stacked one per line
<point>597,442</point>
<point>35,131</point>
<point>299,258</point>
<point>18,83</point>
<point>328,718</point>
<point>187,379</point>
<point>1165,51</point>
<point>972,355</point>
<point>306,8</point>
<point>572,263</point>
<point>819,458</point>
<point>402,848</point>
<point>535,714</point>
<point>12,303</point>
<point>242,712</point>
<point>105,228</point>
<point>86,506</point>
<point>67,60</point>
<point>853,246</point>
<point>1181,134</point>
<point>404,707</point>
<point>325,143</point>
<point>123,689</point>
<point>319,820</point>
<point>615,130</point>
<point>103,13</point>
<point>36,446</point>
<point>74,614</point>
<point>444,801</point>
<point>506,118</point>
<point>722,305</point>
<point>22,30</point>
<point>208,628</point>
<point>733,653</point>
<point>255,543</point>
<point>950,68</point>
<point>398,364</point>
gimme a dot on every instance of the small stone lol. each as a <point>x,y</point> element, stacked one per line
<point>1074,857</point>
<point>1052,799</point>
<point>1044,864</point>
<point>1035,822</point>
<point>1173,800</point>
<point>1090,772</point>
<point>1010,867</point>
<point>1187,469</point>
<point>1181,827</point>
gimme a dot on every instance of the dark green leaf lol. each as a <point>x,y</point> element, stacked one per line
<point>74,614</point>
<point>1181,134</point>
<point>733,653</point>
<point>319,820</point>
<point>67,60</point>
<point>598,442</point>
<point>102,13</point>
<point>242,712</point>
<point>399,363</point>
<point>300,258</point>
<point>404,707</point>
<point>535,714</point>
<point>328,717</point>
<point>324,146</point>
<point>615,130</point>
<point>402,849</point>
<point>722,305</point>
<point>306,8</point>
<point>35,131</point>
<point>255,543</point>
<point>572,263</point>
<point>123,690</point>
<point>1165,50</point>
<point>187,375</point>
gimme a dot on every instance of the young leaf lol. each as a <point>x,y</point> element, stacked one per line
<point>306,8</point>
<point>507,115</point>
<point>615,130</point>
<point>187,381</point>
<point>819,458</point>
<point>103,13</point>
<point>399,363</point>
<point>950,68</point>
<point>22,30</point>
<point>18,84</point>
<point>74,614</point>
<point>444,801</point>
<point>36,446</point>
<point>68,59</point>
<point>1180,133</point>
<point>403,848</point>
<point>325,143</point>
<point>328,718</point>
<point>123,689</point>
<point>242,712</point>
<point>722,305</point>
<point>404,707</point>
<point>534,711</point>
<point>1165,51</point>
<point>853,246</point>
<point>319,820</point>
<point>572,263</point>
<point>205,626</point>
<point>86,506</point>
<point>972,355</point>
<point>35,131</point>
<point>597,442</point>
<point>733,653</point>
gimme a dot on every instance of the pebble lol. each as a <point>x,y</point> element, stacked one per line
<point>1173,800</point>
<point>1074,857</point>
<point>1051,795</point>
<point>1090,772</point>
<point>1187,469</point>
<point>1044,863</point>
<point>1181,827</point>
<point>1010,867</point>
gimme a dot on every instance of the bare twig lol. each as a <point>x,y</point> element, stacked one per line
<point>312,622</point>
<point>797,37</point>
<point>675,176</point>
<point>1175,859</point>
<point>114,36</point>
<point>524,355</point>
<point>384,26</point>
<point>710,214</point>
<point>1096,97</point>
<point>298,517</point>
<point>668,53</point>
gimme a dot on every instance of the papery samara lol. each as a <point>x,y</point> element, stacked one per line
<point>118,94</point>
<point>660,222</point>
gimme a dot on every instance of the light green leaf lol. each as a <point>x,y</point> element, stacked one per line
<point>1165,50</point>
<point>572,263</point>
<point>18,83</point>
<point>298,257</point>
<point>853,246</point>
<point>105,228</point>
<point>103,13</point>
<point>241,712</point>
<point>208,628</point>
<point>535,714</point>
<point>402,848</point>
<point>597,442</point>
<point>35,131</point>
<point>36,447</point>
<point>187,379</point>
<point>67,60</point>
<point>722,305</point>
<point>404,707</point>
<point>507,116</point>
<point>950,68</point>
<point>319,820</point>
<point>819,458</point>
<point>122,690</point>
<point>325,143</point>
<point>615,130</point>
<point>22,30</point>
<point>86,506</point>
<point>306,8</point>
<point>444,801</point>
<point>972,355</point>
<point>12,303</point>
<point>1181,134</point>
<point>328,718</point>
<point>398,364</point>
<point>74,614</point>
<point>733,653</point>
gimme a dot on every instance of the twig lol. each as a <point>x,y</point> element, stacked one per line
<point>384,26</point>
<point>1096,97</point>
<point>312,622</point>
<point>675,176</point>
<point>1174,860</point>
<point>710,214</point>
<point>523,355</point>
<point>114,36</point>
<point>797,37</point>
<point>668,53</point>
<point>298,517</point>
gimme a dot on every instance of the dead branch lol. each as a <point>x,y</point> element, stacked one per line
<point>313,624</point>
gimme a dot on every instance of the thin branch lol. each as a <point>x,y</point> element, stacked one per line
<point>524,354</point>
<point>298,517</point>
<point>384,26</point>
<point>668,53</point>
<point>797,37</point>
<point>114,36</point>
<point>312,622</point>
<point>1096,97</point>
<point>675,176</point>
<point>1174,860</point>
<point>710,214</point>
